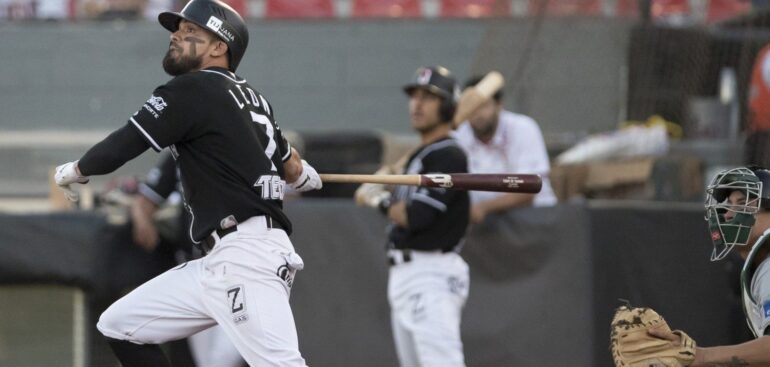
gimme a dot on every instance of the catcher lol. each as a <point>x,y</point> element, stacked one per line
<point>738,215</point>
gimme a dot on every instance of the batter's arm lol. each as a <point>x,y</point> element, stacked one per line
<point>292,168</point>
<point>300,175</point>
<point>114,151</point>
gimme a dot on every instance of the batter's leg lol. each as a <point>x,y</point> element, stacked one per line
<point>138,355</point>
<point>247,291</point>
<point>212,347</point>
<point>168,307</point>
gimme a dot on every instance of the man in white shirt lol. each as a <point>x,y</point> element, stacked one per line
<point>500,141</point>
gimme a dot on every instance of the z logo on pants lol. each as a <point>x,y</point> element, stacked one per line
<point>236,298</point>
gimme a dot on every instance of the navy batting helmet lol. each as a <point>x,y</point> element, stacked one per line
<point>217,17</point>
<point>437,80</point>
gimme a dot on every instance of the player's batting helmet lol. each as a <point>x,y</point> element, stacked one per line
<point>217,17</point>
<point>437,80</point>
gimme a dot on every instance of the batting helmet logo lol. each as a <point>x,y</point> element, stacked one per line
<point>423,76</point>
<point>437,80</point>
<point>217,17</point>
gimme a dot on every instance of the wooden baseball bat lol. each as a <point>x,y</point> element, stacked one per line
<point>473,97</point>
<point>504,182</point>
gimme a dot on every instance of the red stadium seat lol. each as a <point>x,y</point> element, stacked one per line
<point>724,9</point>
<point>386,9</point>
<point>299,9</point>
<point>475,8</point>
<point>658,8</point>
<point>240,6</point>
<point>566,7</point>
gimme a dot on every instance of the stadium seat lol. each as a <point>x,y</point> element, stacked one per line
<point>240,6</point>
<point>386,9</point>
<point>658,8</point>
<point>282,9</point>
<point>566,7</point>
<point>475,8</point>
<point>724,9</point>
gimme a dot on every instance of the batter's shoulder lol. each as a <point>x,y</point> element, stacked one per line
<point>186,82</point>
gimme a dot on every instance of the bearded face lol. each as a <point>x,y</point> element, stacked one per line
<point>177,62</point>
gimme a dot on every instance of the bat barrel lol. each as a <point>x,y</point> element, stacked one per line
<point>521,183</point>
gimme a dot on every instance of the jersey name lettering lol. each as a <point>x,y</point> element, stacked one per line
<point>249,97</point>
<point>272,187</point>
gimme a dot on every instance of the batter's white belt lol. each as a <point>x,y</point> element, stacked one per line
<point>254,224</point>
<point>396,257</point>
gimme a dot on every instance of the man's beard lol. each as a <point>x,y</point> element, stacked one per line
<point>184,65</point>
<point>484,132</point>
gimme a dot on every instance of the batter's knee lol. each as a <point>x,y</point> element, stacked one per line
<point>109,325</point>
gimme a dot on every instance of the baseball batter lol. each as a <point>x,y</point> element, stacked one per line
<point>428,280</point>
<point>738,213</point>
<point>234,163</point>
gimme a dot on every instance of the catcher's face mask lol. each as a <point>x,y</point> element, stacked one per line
<point>732,199</point>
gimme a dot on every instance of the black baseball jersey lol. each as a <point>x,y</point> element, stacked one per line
<point>438,218</point>
<point>227,144</point>
<point>161,181</point>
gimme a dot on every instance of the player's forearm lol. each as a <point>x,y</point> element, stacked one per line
<point>506,201</point>
<point>755,353</point>
<point>293,167</point>
<point>397,213</point>
<point>142,208</point>
<point>114,151</point>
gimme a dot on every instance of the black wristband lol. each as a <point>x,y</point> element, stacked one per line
<point>385,205</point>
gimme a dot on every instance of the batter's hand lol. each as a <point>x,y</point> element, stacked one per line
<point>308,179</point>
<point>67,174</point>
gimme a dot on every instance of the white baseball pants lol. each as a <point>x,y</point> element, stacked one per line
<point>426,295</point>
<point>243,285</point>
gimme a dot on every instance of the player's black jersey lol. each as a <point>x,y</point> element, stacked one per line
<point>438,218</point>
<point>162,181</point>
<point>227,144</point>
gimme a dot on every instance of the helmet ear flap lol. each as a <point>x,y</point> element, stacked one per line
<point>447,110</point>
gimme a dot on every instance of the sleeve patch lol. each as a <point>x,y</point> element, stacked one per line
<point>155,106</point>
<point>766,309</point>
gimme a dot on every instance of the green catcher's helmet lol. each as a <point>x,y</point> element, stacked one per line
<point>729,222</point>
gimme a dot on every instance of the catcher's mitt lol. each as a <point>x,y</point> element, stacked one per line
<point>632,346</point>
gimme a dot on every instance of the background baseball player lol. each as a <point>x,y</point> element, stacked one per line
<point>738,212</point>
<point>234,163</point>
<point>428,281</point>
<point>210,347</point>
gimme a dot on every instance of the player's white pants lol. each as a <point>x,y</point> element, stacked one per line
<point>212,347</point>
<point>426,297</point>
<point>243,285</point>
